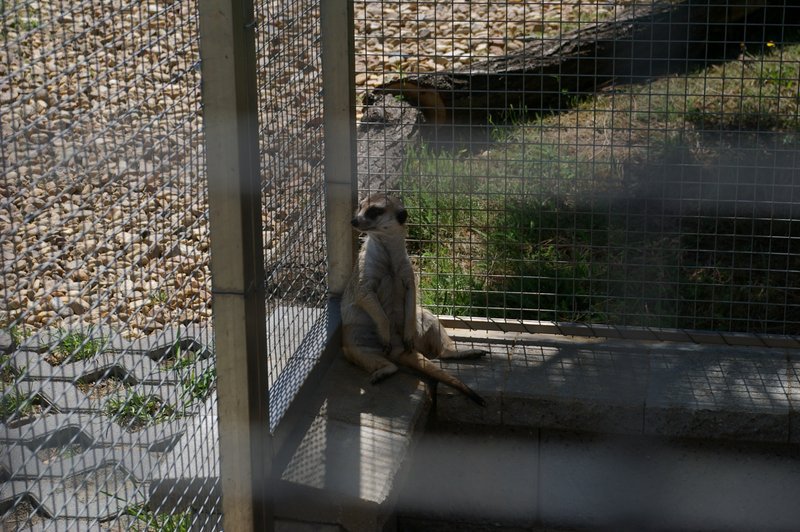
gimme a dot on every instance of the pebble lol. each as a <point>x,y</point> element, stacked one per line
<point>78,306</point>
<point>59,306</point>
<point>97,237</point>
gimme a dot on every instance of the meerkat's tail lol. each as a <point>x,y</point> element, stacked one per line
<point>418,362</point>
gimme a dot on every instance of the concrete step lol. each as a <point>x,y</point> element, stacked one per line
<point>665,389</point>
<point>514,480</point>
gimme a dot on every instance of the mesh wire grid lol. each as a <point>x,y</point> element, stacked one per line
<point>107,356</point>
<point>293,192</point>
<point>669,202</point>
<point>654,183</point>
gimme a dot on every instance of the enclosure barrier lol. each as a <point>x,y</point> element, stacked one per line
<point>111,366</point>
<point>626,164</point>
<point>108,356</point>
<point>615,169</point>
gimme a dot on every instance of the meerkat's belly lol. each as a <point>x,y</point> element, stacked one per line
<point>392,299</point>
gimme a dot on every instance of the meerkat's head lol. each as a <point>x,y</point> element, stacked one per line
<point>380,213</point>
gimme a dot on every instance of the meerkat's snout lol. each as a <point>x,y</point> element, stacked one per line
<point>379,213</point>
<point>362,223</point>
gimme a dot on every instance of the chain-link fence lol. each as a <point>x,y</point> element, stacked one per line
<point>620,163</point>
<point>109,411</point>
<point>107,356</point>
<point>293,191</point>
<point>617,163</point>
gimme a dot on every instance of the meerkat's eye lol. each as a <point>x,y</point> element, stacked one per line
<point>373,212</point>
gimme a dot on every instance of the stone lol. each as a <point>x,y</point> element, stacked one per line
<point>79,306</point>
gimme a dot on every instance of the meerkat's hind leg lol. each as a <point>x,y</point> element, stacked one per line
<point>449,351</point>
<point>372,361</point>
<point>464,354</point>
<point>434,342</point>
<point>417,362</point>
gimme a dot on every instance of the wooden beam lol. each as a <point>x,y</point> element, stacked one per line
<point>227,50</point>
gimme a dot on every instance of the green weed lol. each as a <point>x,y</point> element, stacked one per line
<point>164,522</point>
<point>159,296</point>
<point>197,386</point>
<point>19,333</point>
<point>7,372</point>
<point>74,346</point>
<point>14,404</point>
<point>180,356</point>
<point>137,410</point>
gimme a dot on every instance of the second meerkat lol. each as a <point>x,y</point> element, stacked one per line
<point>382,324</point>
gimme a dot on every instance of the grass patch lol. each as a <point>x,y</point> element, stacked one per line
<point>197,386</point>
<point>759,93</point>
<point>137,411</point>
<point>665,205</point>
<point>147,519</point>
<point>16,405</point>
<point>74,346</point>
<point>13,403</point>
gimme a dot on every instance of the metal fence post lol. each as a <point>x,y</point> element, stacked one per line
<point>237,263</point>
<point>338,66</point>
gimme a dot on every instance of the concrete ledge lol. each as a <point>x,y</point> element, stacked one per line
<point>345,469</point>
<point>666,389</point>
<point>92,431</point>
<point>348,463</point>
<point>75,499</point>
<point>511,479</point>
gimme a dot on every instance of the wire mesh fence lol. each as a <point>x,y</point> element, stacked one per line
<point>108,363</point>
<point>107,356</point>
<point>293,191</point>
<point>558,169</point>
<point>620,163</point>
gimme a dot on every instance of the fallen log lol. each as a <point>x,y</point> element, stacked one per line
<point>386,128</point>
<point>642,43</point>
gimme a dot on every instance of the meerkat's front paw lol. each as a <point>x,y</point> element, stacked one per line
<point>385,336</point>
<point>408,342</point>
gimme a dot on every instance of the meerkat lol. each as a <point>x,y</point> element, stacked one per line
<point>382,325</point>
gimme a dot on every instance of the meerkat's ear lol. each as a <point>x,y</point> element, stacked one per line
<point>402,216</point>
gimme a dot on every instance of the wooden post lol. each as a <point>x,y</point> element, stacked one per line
<point>227,50</point>
<point>338,87</point>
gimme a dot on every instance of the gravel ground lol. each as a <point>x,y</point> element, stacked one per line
<point>103,214</point>
<point>102,203</point>
<point>393,38</point>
